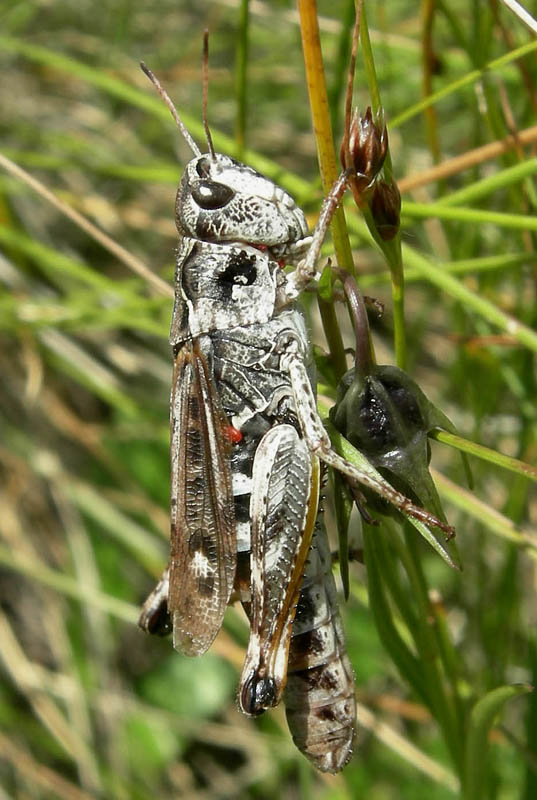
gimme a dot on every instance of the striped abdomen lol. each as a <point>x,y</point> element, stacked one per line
<point>319,695</point>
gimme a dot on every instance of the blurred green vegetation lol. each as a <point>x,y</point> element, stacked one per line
<point>89,706</point>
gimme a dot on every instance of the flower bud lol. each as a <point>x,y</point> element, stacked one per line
<point>368,145</point>
<point>386,209</point>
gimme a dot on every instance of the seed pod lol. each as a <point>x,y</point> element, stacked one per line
<point>367,148</point>
<point>386,209</point>
<point>386,416</point>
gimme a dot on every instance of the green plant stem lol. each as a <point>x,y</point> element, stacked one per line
<point>463,266</point>
<point>439,629</point>
<point>473,778</point>
<point>485,453</point>
<point>425,637</point>
<point>407,663</point>
<point>478,216</point>
<point>339,66</point>
<point>428,9</point>
<point>488,517</point>
<point>370,71</point>
<point>342,508</point>
<point>388,544</point>
<point>487,186</point>
<point>391,249</point>
<point>313,63</point>
<point>398,300</point>
<point>448,654</point>
<point>466,80</point>
<point>241,68</point>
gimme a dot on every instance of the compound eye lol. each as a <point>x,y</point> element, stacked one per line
<point>209,194</point>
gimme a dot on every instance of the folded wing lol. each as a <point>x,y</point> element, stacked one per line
<point>203,541</point>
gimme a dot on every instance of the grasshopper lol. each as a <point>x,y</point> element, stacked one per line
<point>247,451</point>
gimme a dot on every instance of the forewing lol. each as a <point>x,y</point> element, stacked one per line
<point>203,541</point>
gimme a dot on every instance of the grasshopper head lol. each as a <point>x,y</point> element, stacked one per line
<point>221,200</point>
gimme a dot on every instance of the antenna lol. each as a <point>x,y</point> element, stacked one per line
<point>156,83</point>
<point>206,92</point>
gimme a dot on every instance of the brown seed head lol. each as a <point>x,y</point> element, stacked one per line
<point>386,209</point>
<point>368,145</point>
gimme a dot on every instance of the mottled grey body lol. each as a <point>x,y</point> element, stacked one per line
<point>247,506</point>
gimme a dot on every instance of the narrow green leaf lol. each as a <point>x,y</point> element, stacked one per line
<point>530,789</point>
<point>324,287</point>
<point>405,661</point>
<point>488,517</point>
<point>487,186</point>
<point>241,77</point>
<point>470,77</point>
<point>462,266</point>
<point>481,720</point>
<point>342,508</point>
<point>480,451</point>
<point>473,216</point>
